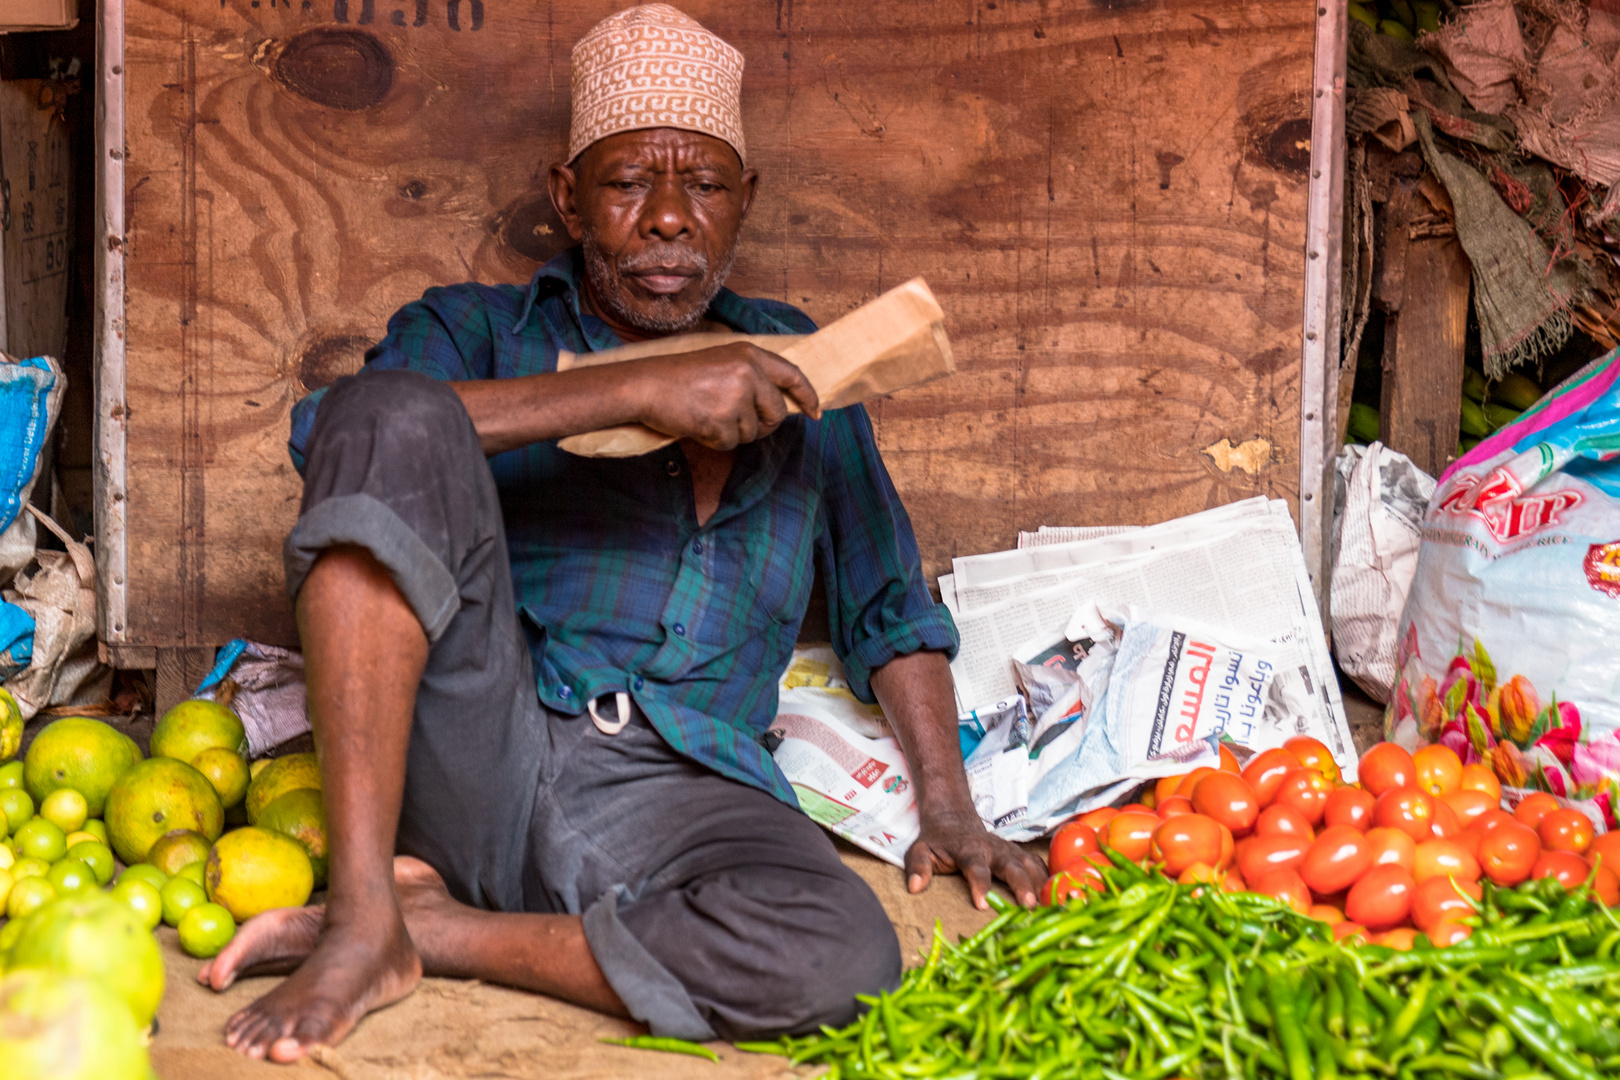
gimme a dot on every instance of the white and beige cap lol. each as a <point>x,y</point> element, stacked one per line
<point>650,67</point>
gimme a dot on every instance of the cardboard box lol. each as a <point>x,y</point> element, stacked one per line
<point>38,14</point>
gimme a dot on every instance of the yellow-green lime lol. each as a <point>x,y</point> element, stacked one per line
<point>253,870</point>
<point>143,872</point>
<point>7,857</point>
<point>11,726</point>
<point>28,866</point>
<point>227,771</point>
<point>97,828</point>
<point>79,837</point>
<point>9,933</point>
<point>6,882</point>
<point>256,767</point>
<point>141,898</point>
<point>94,935</point>
<point>17,805</point>
<point>11,775</point>
<point>193,872</point>
<point>79,753</point>
<point>94,854</point>
<point>197,725</point>
<point>58,1027</point>
<point>180,895</point>
<point>71,876</point>
<point>282,775</point>
<point>41,839</point>
<point>302,816</point>
<point>28,895</point>
<point>179,848</point>
<point>66,809</point>
<point>158,796</point>
<point>206,929</point>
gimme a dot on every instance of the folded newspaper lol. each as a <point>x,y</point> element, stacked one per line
<point>1091,660</point>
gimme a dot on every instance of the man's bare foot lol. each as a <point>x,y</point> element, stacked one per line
<point>349,971</point>
<point>274,943</point>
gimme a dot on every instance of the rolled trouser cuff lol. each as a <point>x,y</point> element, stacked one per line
<point>364,521</point>
<point>648,990</point>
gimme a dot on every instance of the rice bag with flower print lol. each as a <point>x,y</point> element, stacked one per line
<point>1509,646</point>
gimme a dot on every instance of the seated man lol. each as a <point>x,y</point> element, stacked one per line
<point>620,838</point>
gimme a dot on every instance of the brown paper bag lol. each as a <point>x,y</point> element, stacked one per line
<point>896,341</point>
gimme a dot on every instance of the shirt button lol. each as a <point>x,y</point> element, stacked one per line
<point>680,631</point>
<point>673,468</point>
<point>563,691</point>
<point>638,683</point>
<point>697,547</point>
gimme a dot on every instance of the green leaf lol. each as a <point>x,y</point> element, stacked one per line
<point>1484,669</point>
<point>1538,729</point>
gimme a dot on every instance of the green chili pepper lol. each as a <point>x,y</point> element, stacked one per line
<point>667,1046</point>
<point>1280,995</point>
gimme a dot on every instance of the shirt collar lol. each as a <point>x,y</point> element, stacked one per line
<point>564,276</point>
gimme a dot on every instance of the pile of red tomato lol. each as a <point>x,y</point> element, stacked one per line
<point>1400,853</point>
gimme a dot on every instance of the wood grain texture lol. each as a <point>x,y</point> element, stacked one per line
<point>1423,354</point>
<point>1108,197</point>
<point>36,219</point>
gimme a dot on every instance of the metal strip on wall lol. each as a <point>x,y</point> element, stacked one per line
<point>112,551</point>
<point>1319,383</point>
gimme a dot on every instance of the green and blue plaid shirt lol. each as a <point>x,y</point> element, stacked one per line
<point>617,585</point>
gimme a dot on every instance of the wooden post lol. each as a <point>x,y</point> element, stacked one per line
<point>1423,354</point>
<point>178,673</point>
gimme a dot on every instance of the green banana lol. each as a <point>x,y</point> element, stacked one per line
<point>1362,14</point>
<point>1473,420</point>
<point>1428,16</point>
<point>1404,14</point>
<point>1391,28</point>
<point>1500,416</point>
<point>1516,390</point>
<point>1364,422</point>
<point>1473,385</point>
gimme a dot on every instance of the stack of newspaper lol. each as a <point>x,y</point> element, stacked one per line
<point>1092,660</point>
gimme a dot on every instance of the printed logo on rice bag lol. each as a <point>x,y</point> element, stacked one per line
<point>1602,567</point>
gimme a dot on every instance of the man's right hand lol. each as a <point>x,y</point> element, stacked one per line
<point>720,397</point>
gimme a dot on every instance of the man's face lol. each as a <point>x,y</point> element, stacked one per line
<point>658,213</point>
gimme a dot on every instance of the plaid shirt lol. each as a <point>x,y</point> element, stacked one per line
<point>618,586</point>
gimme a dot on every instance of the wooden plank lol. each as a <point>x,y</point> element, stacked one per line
<point>1423,355</point>
<point>36,222</point>
<point>1108,199</point>
<point>178,673</point>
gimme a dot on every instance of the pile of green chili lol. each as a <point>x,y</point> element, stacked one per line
<point>1154,980</point>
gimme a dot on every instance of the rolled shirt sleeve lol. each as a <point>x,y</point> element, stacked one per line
<point>878,602</point>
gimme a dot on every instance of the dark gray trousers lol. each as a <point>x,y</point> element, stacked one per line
<point>712,908</point>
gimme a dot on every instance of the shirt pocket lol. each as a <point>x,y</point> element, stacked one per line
<point>778,570</point>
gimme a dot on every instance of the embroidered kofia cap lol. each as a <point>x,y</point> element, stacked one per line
<point>650,67</point>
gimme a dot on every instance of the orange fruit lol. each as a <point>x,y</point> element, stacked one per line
<point>1439,769</point>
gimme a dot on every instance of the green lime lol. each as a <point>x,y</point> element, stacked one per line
<point>71,876</point>
<point>97,856</point>
<point>206,929</point>
<point>193,871</point>
<point>180,895</point>
<point>59,1027</point>
<point>7,857</point>
<point>178,848</point>
<point>9,933</point>
<point>42,840</point>
<point>28,866</point>
<point>94,936</point>
<point>97,828</point>
<point>28,896</point>
<point>139,896</point>
<point>11,775</point>
<point>66,809</point>
<point>17,805</point>
<point>145,872</point>
<point>197,725</point>
<point>6,882</point>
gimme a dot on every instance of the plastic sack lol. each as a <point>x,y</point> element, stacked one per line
<point>1381,497</point>
<point>1510,641</point>
<point>262,684</point>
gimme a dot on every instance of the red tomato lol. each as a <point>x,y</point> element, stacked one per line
<point>1228,849</point>
<point>1314,755</point>
<point>1071,844</point>
<point>1136,808</point>
<point>1225,797</point>
<point>1266,772</point>
<point>1386,767</point>
<point>1448,932</point>
<point>1348,929</point>
<point>1439,769</point>
<point>1381,898</point>
<point>1190,781</point>
<point>1326,913</point>
<point>1469,804</point>
<point>1131,834</point>
<point>1283,821</point>
<point>1507,853</point>
<point>1439,898</point>
<point>1285,885</point>
<point>1567,868</point>
<point>1565,830</point>
<point>1607,846</point>
<point>1305,790</point>
<point>1444,858</point>
<point>1175,804</point>
<point>1391,847</point>
<point>1098,818</point>
<point>1199,874</point>
<point>1187,839</point>
<point>1166,787</point>
<point>1401,939</point>
<point>1349,806</point>
<point>1445,825</point>
<point>1261,854</point>
<point>1337,858</point>
<point>1494,819</point>
<point>1605,884</point>
<point>1229,761</point>
<point>1534,807</point>
<point>1406,809</point>
<point>1233,882</point>
<point>1060,887</point>
<point>1478,777</point>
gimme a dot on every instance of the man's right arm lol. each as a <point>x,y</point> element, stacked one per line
<point>721,397</point>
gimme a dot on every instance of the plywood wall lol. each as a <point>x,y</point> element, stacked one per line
<point>1108,197</point>
<point>36,224</point>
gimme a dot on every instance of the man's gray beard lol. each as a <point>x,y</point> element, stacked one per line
<point>668,316</point>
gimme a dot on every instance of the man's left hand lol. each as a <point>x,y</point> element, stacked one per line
<point>959,842</point>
